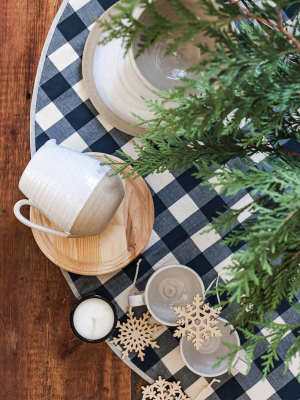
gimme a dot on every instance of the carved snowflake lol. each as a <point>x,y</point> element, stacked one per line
<point>135,335</point>
<point>197,321</point>
<point>163,390</point>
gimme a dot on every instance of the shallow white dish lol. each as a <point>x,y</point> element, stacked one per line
<point>114,88</point>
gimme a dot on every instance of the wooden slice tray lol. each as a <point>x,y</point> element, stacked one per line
<point>120,243</point>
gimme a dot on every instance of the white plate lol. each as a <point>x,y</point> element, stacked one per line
<point>113,87</point>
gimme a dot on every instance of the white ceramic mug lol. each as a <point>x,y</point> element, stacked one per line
<point>71,189</point>
<point>201,361</point>
<point>169,286</point>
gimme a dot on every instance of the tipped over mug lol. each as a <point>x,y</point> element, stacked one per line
<point>71,189</point>
<point>202,361</point>
<point>169,286</point>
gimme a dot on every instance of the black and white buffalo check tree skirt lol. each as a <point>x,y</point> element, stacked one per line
<point>61,110</point>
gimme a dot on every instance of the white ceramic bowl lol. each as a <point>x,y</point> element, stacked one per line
<point>159,71</point>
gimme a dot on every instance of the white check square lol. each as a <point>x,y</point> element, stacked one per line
<point>75,142</point>
<point>129,149</point>
<point>104,123</point>
<point>169,259</point>
<point>183,208</point>
<point>263,390</point>
<point>220,268</point>
<point>173,360</point>
<point>159,181</point>
<point>48,116</point>
<point>294,366</point>
<point>243,202</point>
<point>63,57</point>
<point>204,240</point>
<point>196,390</point>
<point>154,238</point>
<point>214,180</point>
<point>80,89</point>
<point>77,4</point>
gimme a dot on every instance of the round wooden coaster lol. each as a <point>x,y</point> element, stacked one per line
<point>120,243</point>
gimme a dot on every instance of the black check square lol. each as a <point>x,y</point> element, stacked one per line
<point>237,246</point>
<point>71,27</point>
<point>150,359</point>
<point>200,264</point>
<point>87,285</point>
<point>259,362</point>
<point>291,391</point>
<point>159,205</point>
<point>186,377</point>
<point>41,140</point>
<point>187,180</point>
<point>230,390</point>
<point>106,3</point>
<point>73,276</point>
<point>106,144</point>
<point>211,209</point>
<point>102,291</point>
<point>174,238</point>
<point>80,116</point>
<point>56,86</point>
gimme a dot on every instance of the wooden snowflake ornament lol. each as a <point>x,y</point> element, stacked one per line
<point>163,390</point>
<point>197,321</point>
<point>135,335</point>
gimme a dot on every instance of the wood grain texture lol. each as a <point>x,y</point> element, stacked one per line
<point>120,243</point>
<point>40,358</point>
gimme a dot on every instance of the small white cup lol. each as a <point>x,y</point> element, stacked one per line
<point>201,361</point>
<point>169,286</point>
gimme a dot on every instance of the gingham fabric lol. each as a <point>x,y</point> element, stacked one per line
<point>61,110</point>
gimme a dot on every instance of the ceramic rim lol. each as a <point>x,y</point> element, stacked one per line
<point>154,275</point>
<point>213,374</point>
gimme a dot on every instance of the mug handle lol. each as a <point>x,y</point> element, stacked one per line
<point>136,300</point>
<point>241,366</point>
<point>32,225</point>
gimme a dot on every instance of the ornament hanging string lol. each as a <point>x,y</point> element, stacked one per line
<point>134,281</point>
<point>217,283</point>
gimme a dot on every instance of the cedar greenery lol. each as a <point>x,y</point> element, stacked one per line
<point>248,105</point>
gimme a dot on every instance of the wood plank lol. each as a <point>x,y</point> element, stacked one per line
<point>39,356</point>
<point>136,386</point>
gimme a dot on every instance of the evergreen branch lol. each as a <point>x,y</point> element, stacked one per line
<point>278,26</point>
<point>240,100</point>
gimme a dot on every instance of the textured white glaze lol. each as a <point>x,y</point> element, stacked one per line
<point>59,181</point>
<point>93,319</point>
<point>117,83</point>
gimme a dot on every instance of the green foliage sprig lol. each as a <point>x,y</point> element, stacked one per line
<point>247,104</point>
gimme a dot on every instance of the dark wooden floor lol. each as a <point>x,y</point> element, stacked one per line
<point>39,356</point>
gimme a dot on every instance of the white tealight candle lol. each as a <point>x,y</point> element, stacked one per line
<point>93,319</point>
